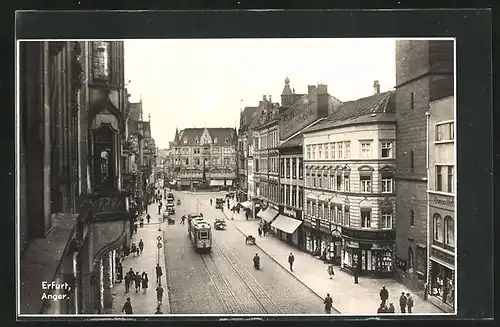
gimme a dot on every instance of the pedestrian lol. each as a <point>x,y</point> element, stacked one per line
<point>159,208</point>
<point>260,231</point>
<point>158,310</point>
<point>409,302</point>
<point>328,303</point>
<point>128,280</point>
<point>159,294</point>
<point>138,281</point>
<point>134,248</point>
<point>402,302</point>
<point>127,307</point>
<point>159,273</point>
<point>135,228</point>
<point>331,273</point>
<point>119,272</point>
<point>291,259</point>
<point>384,295</point>
<point>145,281</point>
<point>141,245</point>
<point>382,308</point>
<point>247,214</point>
<point>210,201</point>
<point>355,273</point>
<point>183,219</point>
<point>391,308</point>
<point>148,218</point>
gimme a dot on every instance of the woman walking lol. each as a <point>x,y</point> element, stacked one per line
<point>145,281</point>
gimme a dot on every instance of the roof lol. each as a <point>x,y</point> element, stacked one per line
<point>292,142</point>
<point>135,111</point>
<point>146,129</point>
<point>377,107</point>
<point>249,117</point>
<point>221,133</point>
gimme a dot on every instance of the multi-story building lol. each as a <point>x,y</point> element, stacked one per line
<point>205,156</point>
<point>349,185</point>
<point>424,73</point>
<point>441,203</point>
<point>72,103</point>
<point>248,118</point>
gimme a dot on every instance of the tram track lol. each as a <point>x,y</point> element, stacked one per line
<point>258,292</point>
<point>222,286</point>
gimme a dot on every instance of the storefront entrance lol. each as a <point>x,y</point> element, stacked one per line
<point>368,261</point>
<point>442,283</point>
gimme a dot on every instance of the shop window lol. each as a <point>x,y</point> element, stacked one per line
<point>386,218</point>
<point>381,261</point>
<point>365,183</point>
<point>346,182</point>
<point>412,218</point>
<point>366,217</point>
<point>438,228</point>
<point>449,231</point>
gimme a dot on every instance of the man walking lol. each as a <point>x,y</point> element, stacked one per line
<point>159,294</point>
<point>384,295</point>
<point>291,259</point>
<point>402,302</point>
<point>409,302</point>
<point>127,307</point>
<point>328,303</point>
<point>159,273</point>
<point>141,245</point>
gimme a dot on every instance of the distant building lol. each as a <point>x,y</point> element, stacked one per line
<point>424,73</point>
<point>205,157</point>
<point>248,119</point>
<point>349,186</point>
<point>441,190</point>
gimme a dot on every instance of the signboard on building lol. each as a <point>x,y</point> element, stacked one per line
<point>443,256</point>
<point>371,235</point>
<point>445,202</point>
<point>290,212</point>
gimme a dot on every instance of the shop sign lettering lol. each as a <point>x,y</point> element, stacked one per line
<point>369,235</point>
<point>448,202</point>
<point>443,256</point>
<point>109,204</point>
<point>290,212</point>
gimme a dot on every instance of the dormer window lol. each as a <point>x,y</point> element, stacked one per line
<point>215,140</point>
<point>185,140</point>
<point>227,140</point>
<point>196,140</point>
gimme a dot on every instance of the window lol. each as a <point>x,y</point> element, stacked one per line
<point>101,60</point>
<point>282,168</point>
<point>203,235</point>
<point>197,160</point>
<point>216,140</point>
<point>410,259</point>
<point>326,151</point>
<point>301,168</point>
<point>412,218</point>
<point>366,150</point>
<point>412,160</point>
<point>386,150</point>
<point>294,167</point>
<point>346,182</point>
<point>309,211</point>
<point>438,227</point>
<point>185,140</point>
<point>339,182</point>
<point>412,104</point>
<point>450,179</point>
<point>196,140</point>
<point>313,179</point>
<point>439,178</point>
<point>226,140</point>
<point>287,168</point>
<point>308,149</point>
<point>332,150</point>
<point>365,183</point>
<point>187,161</point>
<point>347,219</point>
<point>314,151</point>
<point>449,231</point>
<point>347,150</point>
<point>301,197</point>
<point>386,184</point>
<point>445,131</point>
<point>339,150</point>
<point>320,149</point>
<point>386,221</point>
<point>365,218</point>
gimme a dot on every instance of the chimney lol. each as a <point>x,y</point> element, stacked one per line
<point>270,99</point>
<point>376,87</point>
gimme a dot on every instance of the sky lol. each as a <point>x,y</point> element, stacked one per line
<point>207,82</point>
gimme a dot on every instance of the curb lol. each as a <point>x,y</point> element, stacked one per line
<point>288,271</point>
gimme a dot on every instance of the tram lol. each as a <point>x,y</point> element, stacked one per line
<point>200,233</point>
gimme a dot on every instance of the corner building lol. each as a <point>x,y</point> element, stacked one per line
<point>424,73</point>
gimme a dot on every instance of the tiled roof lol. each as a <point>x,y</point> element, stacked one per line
<point>221,133</point>
<point>377,107</point>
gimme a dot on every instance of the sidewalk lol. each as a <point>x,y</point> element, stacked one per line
<point>144,303</point>
<point>348,298</point>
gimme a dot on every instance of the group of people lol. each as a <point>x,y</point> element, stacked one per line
<point>263,229</point>
<point>405,302</point>
<point>142,280</point>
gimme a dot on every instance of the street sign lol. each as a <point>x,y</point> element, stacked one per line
<point>159,238</point>
<point>159,245</point>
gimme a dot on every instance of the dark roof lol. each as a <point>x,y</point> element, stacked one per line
<point>135,111</point>
<point>292,142</point>
<point>221,133</point>
<point>146,129</point>
<point>249,117</point>
<point>378,107</point>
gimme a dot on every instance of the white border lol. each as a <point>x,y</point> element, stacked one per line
<point>221,316</point>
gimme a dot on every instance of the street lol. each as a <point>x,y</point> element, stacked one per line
<point>224,281</point>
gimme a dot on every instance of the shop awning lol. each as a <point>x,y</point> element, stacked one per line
<point>286,224</point>
<point>268,214</point>
<point>217,182</point>
<point>246,204</point>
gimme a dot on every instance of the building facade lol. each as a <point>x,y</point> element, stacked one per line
<point>248,119</point>
<point>205,157</point>
<point>349,186</point>
<point>72,104</point>
<point>441,203</point>
<point>424,73</point>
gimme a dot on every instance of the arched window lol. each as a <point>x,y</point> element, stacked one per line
<point>410,259</point>
<point>438,227</point>
<point>449,229</point>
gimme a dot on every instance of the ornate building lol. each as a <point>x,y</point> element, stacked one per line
<point>73,214</point>
<point>248,119</point>
<point>205,157</point>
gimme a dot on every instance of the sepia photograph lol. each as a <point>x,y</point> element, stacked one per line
<point>233,177</point>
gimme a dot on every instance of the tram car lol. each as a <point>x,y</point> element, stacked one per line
<point>201,235</point>
<point>193,218</point>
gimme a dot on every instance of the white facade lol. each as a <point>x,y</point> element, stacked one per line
<point>251,183</point>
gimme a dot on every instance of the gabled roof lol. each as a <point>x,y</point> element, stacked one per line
<point>135,111</point>
<point>219,133</point>
<point>297,139</point>
<point>249,117</point>
<point>378,107</point>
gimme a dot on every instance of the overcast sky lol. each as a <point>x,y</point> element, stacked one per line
<point>206,82</point>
